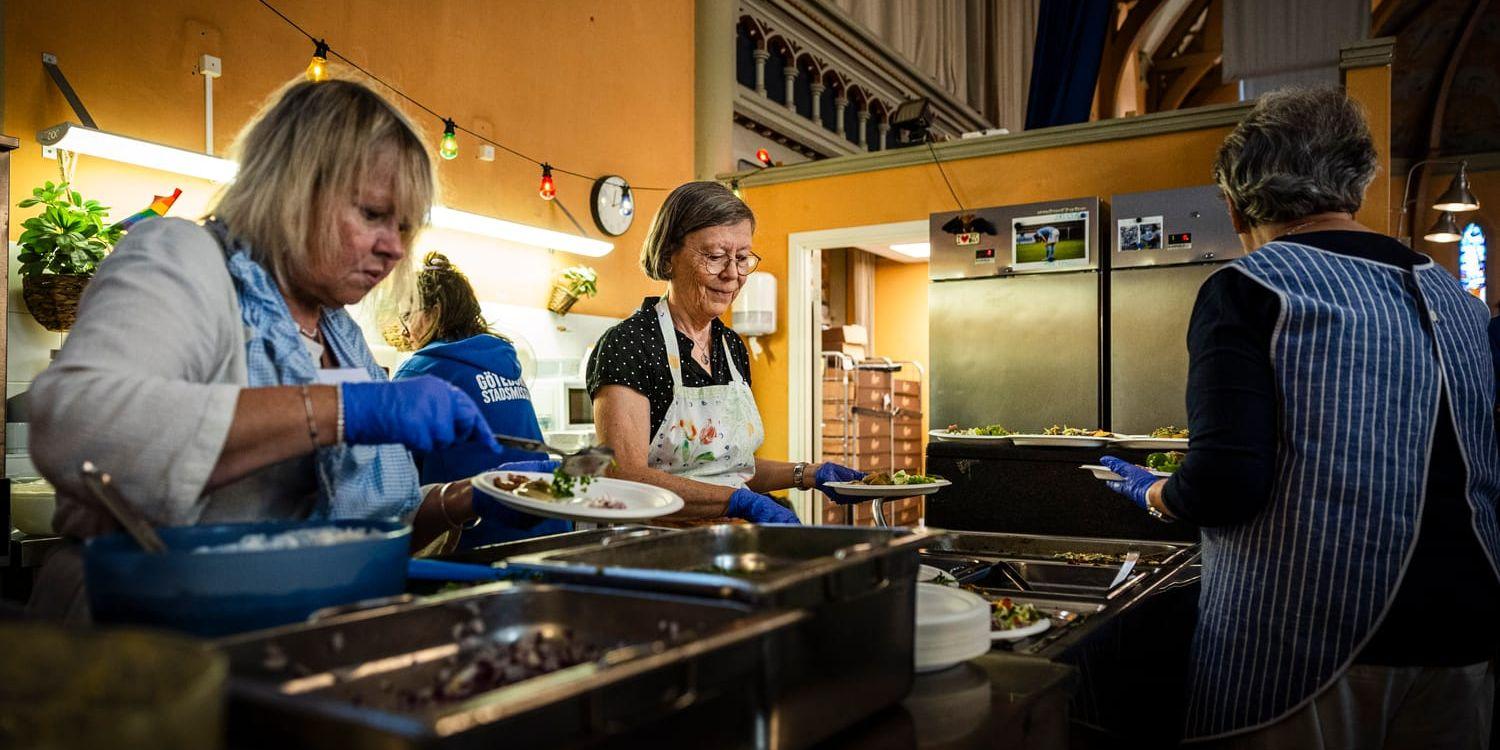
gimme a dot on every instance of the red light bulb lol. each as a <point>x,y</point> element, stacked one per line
<point>548,190</point>
<point>763,156</point>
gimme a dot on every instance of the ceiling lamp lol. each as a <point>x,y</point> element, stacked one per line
<point>1458,197</point>
<point>1445,229</point>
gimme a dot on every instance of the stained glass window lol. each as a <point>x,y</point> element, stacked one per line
<point>1471,257</point>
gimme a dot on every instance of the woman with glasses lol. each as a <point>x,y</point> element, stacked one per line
<point>671,384</point>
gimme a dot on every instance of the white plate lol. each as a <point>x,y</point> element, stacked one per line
<point>1016,634</point>
<point>856,489</point>
<point>1103,472</point>
<point>1061,441</point>
<point>1148,443</point>
<point>949,437</point>
<point>642,501</point>
<point>951,625</point>
<point>930,574</point>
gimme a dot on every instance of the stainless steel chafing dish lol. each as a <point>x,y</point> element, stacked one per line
<point>851,657</point>
<point>1079,595</point>
<point>347,681</point>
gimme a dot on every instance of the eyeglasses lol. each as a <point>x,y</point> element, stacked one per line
<point>717,262</point>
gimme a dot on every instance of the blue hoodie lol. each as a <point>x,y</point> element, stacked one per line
<point>486,368</point>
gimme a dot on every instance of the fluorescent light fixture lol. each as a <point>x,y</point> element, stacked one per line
<point>84,140</point>
<point>913,249</point>
<point>463,221</point>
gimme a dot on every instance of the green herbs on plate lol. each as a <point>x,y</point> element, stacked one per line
<point>1168,462</point>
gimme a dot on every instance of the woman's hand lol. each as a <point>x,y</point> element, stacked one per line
<point>1134,482</point>
<point>832,472</point>
<point>757,508</point>
<point>423,414</point>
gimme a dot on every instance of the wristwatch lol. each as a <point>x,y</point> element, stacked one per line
<point>798,472</point>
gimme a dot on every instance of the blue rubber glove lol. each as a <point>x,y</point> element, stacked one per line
<point>1134,483</point>
<point>424,414</point>
<point>831,472</point>
<point>757,508</point>
<point>542,466</point>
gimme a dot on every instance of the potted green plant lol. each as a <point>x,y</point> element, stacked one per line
<point>571,285</point>
<point>60,249</point>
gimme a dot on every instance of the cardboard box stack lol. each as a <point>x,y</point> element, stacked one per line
<point>872,421</point>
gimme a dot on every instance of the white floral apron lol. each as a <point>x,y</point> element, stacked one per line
<point>710,434</point>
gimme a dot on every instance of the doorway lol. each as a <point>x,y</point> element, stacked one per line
<point>804,326</point>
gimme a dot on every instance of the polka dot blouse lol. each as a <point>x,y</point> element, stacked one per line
<point>633,354</point>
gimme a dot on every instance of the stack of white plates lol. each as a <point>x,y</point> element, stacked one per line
<point>953,626</point>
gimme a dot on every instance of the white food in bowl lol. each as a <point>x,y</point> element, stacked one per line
<point>31,507</point>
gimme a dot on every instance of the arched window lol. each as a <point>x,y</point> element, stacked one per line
<point>1471,257</point>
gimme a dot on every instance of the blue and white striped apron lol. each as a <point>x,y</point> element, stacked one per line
<point>1361,354</point>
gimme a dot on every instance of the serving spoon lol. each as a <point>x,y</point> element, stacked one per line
<point>128,515</point>
<point>590,461</point>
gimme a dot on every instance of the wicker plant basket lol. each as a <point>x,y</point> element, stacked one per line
<point>53,299</point>
<point>561,300</point>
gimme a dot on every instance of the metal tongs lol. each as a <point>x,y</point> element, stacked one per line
<point>128,515</point>
<point>590,461</point>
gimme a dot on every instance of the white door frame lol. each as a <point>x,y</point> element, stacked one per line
<point>804,290</point>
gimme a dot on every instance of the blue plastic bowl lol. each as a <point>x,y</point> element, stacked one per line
<point>217,593</point>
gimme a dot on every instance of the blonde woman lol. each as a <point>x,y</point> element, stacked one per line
<point>213,369</point>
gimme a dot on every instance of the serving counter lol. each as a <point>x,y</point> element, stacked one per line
<point>1032,490</point>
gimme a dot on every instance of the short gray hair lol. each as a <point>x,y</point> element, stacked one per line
<point>1299,152</point>
<point>692,206</point>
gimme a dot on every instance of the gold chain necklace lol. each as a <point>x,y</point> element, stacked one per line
<point>1295,227</point>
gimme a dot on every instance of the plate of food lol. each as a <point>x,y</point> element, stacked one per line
<point>1161,464</point>
<point>1063,436</point>
<point>989,434</point>
<point>1103,473</point>
<point>1012,620</point>
<point>558,495</point>
<point>1170,437</point>
<point>898,483</point>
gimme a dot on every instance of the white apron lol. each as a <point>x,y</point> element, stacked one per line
<point>710,434</point>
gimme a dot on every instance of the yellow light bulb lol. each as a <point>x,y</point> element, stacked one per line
<point>317,70</point>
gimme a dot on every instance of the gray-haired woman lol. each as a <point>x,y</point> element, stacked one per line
<point>1343,463</point>
<point>689,423</point>
<point>213,369</point>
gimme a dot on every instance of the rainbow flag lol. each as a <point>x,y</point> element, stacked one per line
<point>159,207</point>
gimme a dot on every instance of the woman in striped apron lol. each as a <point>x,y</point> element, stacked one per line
<point>1343,464</point>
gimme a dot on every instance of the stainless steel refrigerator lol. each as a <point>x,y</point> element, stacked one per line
<point>1095,335</point>
<point>1164,244</point>
<point>1015,325</point>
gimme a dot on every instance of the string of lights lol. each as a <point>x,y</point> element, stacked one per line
<point>317,70</point>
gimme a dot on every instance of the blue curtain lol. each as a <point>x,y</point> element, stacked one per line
<point>1065,65</point>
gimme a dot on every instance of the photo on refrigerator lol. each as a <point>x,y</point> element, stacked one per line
<point>1139,233</point>
<point>1049,241</point>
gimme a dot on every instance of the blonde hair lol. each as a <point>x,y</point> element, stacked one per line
<point>308,149</point>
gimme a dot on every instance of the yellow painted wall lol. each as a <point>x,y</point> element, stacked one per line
<point>597,87</point>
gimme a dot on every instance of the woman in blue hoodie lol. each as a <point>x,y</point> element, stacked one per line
<point>453,342</point>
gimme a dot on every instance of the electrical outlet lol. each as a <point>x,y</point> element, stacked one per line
<point>210,66</point>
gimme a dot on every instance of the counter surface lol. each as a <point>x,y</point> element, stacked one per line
<point>997,700</point>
